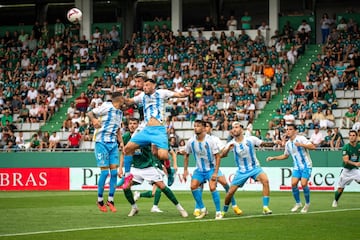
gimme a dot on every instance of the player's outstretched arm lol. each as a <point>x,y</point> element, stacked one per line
<point>280,157</point>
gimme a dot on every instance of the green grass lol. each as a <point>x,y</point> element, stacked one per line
<point>74,215</point>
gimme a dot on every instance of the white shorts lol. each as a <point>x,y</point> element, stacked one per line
<point>150,174</point>
<point>347,176</point>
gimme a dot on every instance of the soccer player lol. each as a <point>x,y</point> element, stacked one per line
<point>351,164</point>
<point>297,146</point>
<point>106,119</point>
<point>125,180</point>
<point>221,178</point>
<point>154,133</point>
<point>156,192</point>
<point>207,158</point>
<point>247,164</point>
<point>145,168</point>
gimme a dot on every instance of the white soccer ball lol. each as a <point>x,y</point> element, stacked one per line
<point>74,15</point>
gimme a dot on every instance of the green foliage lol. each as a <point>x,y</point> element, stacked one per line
<point>74,215</point>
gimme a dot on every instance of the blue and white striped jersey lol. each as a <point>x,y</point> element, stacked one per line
<point>203,152</point>
<point>110,119</point>
<point>244,153</point>
<point>218,142</point>
<point>300,155</point>
<point>154,104</point>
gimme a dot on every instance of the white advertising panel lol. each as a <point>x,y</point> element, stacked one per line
<point>322,179</point>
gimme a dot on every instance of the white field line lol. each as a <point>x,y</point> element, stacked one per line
<point>173,222</point>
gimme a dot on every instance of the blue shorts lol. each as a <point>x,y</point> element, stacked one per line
<point>220,173</point>
<point>304,173</point>
<point>201,176</point>
<point>241,178</point>
<point>155,135</point>
<point>106,154</point>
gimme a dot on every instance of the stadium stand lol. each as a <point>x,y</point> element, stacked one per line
<point>241,79</point>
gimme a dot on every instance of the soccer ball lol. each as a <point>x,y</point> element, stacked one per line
<point>74,15</point>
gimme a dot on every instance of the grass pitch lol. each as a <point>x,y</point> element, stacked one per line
<point>74,215</point>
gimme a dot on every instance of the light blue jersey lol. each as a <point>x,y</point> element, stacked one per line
<point>110,119</point>
<point>300,155</point>
<point>203,152</point>
<point>154,104</point>
<point>244,153</point>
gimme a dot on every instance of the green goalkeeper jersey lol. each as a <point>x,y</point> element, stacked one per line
<point>353,152</point>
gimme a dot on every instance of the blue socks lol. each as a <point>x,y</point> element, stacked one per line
<point>197,194</point>
<point>216,198</point>
<point>196,205</point>
<point>266,200</point>
<point>102,180</point>
<point>127,163</point>
<point>296,194</point>
<point>113,178</point>
<point>307,194</point>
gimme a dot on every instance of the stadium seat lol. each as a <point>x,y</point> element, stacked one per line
<point>187,125</point>
<point>26,127</point>
<point>177,124</point>
<point>349,94</point>
<point>187,134</point>
<point>337,113</point>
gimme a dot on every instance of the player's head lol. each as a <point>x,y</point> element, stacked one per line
<point>140,78</point>
<point>237,129</point>
<point>199,126</point>
<point>353,136</point>
<point>208,127</point>
<point>149,86</point>
<point>117,99</point>
<point>133,124</point>
<point>291,130</point>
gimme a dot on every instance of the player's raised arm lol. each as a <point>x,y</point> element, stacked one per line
<point>182,94</point>
<point>279,157</point>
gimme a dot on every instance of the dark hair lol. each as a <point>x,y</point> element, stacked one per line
<point>353,131</point>
<point>292,125</point>
<point>209,123</point>
<point>133,120</point>
<point>202,122</point>
<point>116,95</point>
<point>150,80</point>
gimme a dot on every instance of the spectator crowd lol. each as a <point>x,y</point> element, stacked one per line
<point>229,76</point>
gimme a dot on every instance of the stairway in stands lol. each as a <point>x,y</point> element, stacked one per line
<point>299,70</point>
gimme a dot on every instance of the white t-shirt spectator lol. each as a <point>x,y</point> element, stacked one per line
<point>51,101</point>
<point>76,119</point>
<point>58,92</point>
<point>33,112</point>
<point>214,46</point>
<point>177,80</point>
<point>70,111</point>
<point>305,26</point>
<point>53,138</point>
<point>49,86</point>
<point>83,50</point>
<point>289,119</point>
<point>25,63</point>
<point>32,94</point>
<point>316,137</point>
<point>98,101</point>
<point>292,55</point>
